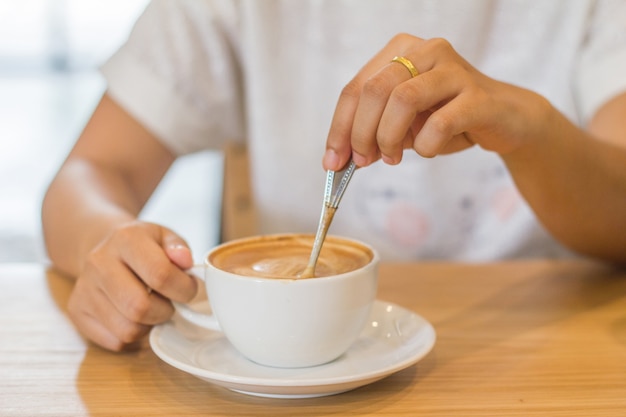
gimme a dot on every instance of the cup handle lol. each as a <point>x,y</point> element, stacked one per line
<point>204,320</point>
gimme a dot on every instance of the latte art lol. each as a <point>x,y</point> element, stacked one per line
<point>287,257</point>
<point>284,267</point>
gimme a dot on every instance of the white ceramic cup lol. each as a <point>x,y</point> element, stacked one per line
<point>288,323</point>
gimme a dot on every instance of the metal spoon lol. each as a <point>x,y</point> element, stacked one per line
<point>336,183</point>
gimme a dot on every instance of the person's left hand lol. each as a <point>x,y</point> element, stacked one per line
<point>449,106</point>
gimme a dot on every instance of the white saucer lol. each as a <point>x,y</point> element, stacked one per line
<point>394,339</point>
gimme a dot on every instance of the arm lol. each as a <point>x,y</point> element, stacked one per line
<point>574,180</point>
<point>92,233</point>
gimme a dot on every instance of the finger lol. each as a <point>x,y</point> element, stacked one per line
<point>99,321</point>
<point>448,122</point>
<point>457,143</point>
<point>408,101</point>
<point>124,292</point>
<point>93,330</point>
<point>177,249</point>
<point>372,102</point>
<point>123,338</point>
<point>361,103</point>
<point>147,259</point>
<point>88,326</point>
<point>338,143</point>
<point>338,149</point>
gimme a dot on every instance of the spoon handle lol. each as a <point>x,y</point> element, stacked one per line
<point>336,183</point>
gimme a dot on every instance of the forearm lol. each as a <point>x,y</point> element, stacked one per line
<point>111,172</point>
<point>576,184</point>
<point>83,205</point>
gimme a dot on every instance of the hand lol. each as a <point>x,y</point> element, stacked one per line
<point>448,107</point>
<point>127,283</point>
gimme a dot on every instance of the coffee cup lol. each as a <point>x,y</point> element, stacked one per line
<point>274,317</point>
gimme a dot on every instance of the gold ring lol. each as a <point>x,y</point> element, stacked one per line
<point>407,64</point>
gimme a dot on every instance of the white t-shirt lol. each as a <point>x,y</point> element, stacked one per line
<point>199,73</point>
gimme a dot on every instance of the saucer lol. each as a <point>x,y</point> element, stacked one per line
<point>393,339</point>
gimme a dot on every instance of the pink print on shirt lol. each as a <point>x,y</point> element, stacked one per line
<point>505,201</point>
<point>406,225</point>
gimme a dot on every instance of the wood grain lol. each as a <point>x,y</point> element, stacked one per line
<point>514,339</point>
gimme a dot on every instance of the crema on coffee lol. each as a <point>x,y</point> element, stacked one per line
<point>287,256</point>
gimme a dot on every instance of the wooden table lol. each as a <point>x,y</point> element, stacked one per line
<point>514,339</point>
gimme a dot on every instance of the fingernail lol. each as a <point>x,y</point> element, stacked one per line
<point>331,160</point>
<point>388,160</point>
<point>359,159</point>
<point>177,246</point>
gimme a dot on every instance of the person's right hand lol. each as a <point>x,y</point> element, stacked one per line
<point>127,283</point>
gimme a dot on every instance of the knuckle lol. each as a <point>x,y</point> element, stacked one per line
<point>362,140</point>
<point>425,152</point>
<point>441,124</point>
<point>126,232</point>
<point>402,38</point>
<point>406,95</point>
<point>117,346</point>
<point>350,91</point>
<point>440,44</point>
<point>388,141</point>
<point>391,152</point>
<point>424,149</point>
<point>138,308</point>
<point>129,334</point>
<point>160,275</point>
<point>377,87</point>
<point>385,141</point>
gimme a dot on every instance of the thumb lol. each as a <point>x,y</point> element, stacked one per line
<point>176,249</point>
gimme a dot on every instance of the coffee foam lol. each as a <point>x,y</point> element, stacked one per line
<point>286,256</point>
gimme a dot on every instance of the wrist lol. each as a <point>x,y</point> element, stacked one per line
<point>99,230</point>
<point>536,122</point>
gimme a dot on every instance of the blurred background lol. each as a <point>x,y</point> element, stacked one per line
<point>50,52</point>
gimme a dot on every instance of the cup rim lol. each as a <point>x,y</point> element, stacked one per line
<point>373,262</point>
